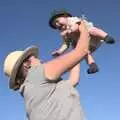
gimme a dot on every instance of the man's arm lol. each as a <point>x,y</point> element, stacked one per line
<point>55,68</point>
<point>74,76</point>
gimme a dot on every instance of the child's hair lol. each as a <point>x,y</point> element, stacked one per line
<point>58,13</point>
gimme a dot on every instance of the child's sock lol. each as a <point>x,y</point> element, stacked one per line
<point>109,39</point>
<point>93,68</point>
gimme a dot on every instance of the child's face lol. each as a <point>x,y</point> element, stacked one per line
<point>61,23</point>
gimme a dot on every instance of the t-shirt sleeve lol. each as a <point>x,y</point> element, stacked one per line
<point>36,75</point>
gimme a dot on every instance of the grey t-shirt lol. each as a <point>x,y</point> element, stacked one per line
<point>46,100</point>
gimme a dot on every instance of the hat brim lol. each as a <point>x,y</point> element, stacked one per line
<point>33,50</point>
<point>56,16</point>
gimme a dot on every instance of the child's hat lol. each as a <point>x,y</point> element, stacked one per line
<point>56,14</point>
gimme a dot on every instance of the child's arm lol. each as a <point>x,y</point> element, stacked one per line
<point>61,50</point>
<point>74,76</point>
<point>64,46</point>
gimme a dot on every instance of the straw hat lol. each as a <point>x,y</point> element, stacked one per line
<point>57,14</point>
<point>13,62</point>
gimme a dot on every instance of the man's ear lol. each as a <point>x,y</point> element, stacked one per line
<point>35,61</point>
<point>32,57</point>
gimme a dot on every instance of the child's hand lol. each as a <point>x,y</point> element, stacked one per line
<point>65,32</point>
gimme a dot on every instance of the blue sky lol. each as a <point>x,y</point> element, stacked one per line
<point>25,22</point>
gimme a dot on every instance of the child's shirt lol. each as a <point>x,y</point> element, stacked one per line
<point>73,20</point>
<point>71,40</point>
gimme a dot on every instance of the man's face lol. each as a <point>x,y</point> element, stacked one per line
<point>26,65</point>
<point>28,62</point>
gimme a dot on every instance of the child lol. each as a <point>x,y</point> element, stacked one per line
<point>68,27</point>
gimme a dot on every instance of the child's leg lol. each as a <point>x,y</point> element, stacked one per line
<point>102,35</point>
<point>89,58</point>
<point>94,31</point>
<point>93,68</point>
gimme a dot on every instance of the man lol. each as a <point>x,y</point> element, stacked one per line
<point>46,96</point>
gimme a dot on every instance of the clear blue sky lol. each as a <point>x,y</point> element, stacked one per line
<point>25,22</point>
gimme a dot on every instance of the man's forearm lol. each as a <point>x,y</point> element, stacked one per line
<point>65,62</point>
<point>74,76</point>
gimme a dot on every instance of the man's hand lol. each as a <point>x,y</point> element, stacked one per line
<point>83,26</point>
